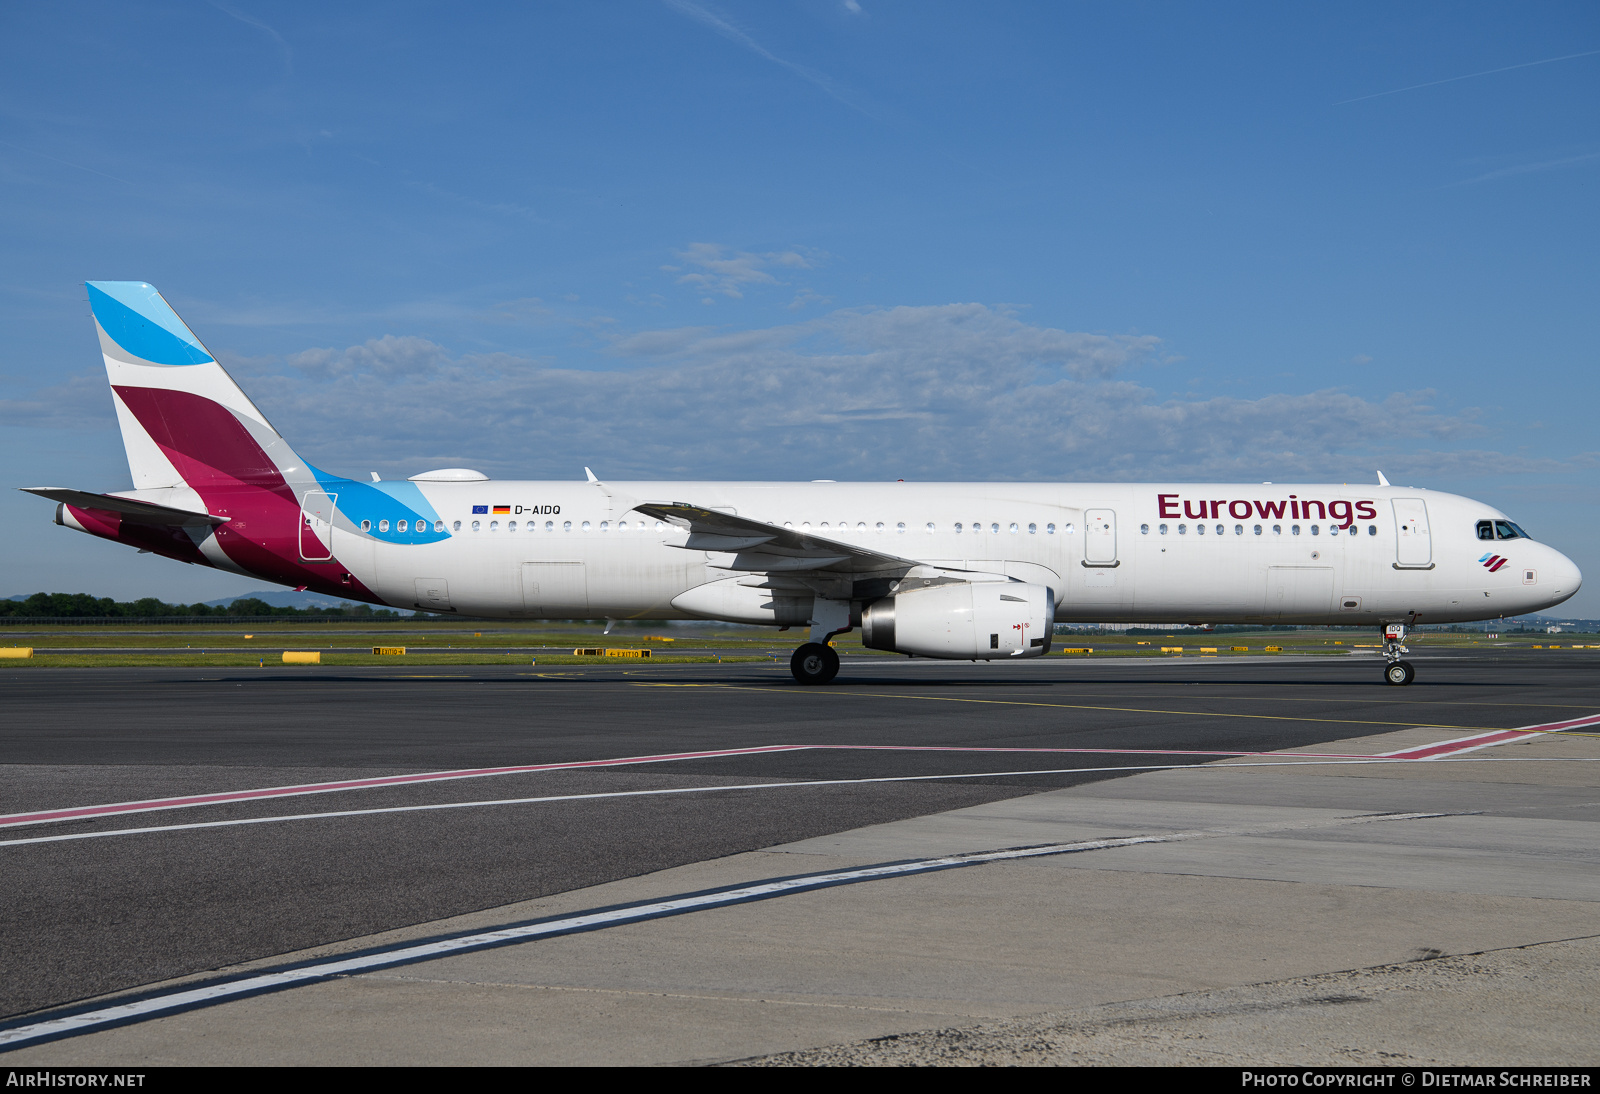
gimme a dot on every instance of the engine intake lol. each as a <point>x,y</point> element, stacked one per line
<point>980,621</point>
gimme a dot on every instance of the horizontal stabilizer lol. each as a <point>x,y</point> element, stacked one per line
<point>140,512</point>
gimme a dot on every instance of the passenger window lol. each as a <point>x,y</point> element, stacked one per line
<point>1372,529</point>
<point>958,527</point>
<point>456,527</point>
<point>605,526</point>
<point>1033,529</point>
<point>1277,529</point>
<point>383,526</point>
<point>566,526</point>
<point>1258,529</point>
<point>1183,529</point>
<point>1316,529</point>
<point>494,526</point>
<point>1220,530</point>
<point>549,526</point>
<point>585,526</point>
<point>1162,529</point>
<point>1238,529</point>
<point>1012,529</point>
<point>1144,529</point>
<point>1068,529</point>
<point>1294,529</point>
<point>1049,529</point>
<point>438,526</point>
<point>900,528</point>
<point>1199,529</point>
<point>930,528</point>
<point>861,526</point>
<point>401,527</point>
<point>1333,529</point>
<point>511,526</point>
<point>994,529</point>
<point>475,526</point>
<point>366,526</point>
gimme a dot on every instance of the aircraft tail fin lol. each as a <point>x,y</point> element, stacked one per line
<point>184,421</point>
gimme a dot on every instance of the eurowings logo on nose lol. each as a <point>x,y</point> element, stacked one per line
<point>1493,562</point>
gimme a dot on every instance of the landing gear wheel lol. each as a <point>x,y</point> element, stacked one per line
<point>1399,673</point>
<point>814,663</point>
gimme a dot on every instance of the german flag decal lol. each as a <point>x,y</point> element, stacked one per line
<point>502,509</point>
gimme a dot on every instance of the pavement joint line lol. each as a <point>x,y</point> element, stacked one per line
<point>89,1019</point>
<point>666,791</point>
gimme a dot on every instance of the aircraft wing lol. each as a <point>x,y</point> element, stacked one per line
<point>139,512</point>
<point>754,546</point>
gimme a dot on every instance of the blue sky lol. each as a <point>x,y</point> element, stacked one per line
<point>817,239</point>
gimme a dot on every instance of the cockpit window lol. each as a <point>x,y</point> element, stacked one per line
<point>1500,529</point>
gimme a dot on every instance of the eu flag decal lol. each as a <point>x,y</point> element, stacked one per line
<point>476,509</point>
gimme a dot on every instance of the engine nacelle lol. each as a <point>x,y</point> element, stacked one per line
<point>978,620</point>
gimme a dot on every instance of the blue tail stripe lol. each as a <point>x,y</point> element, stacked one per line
<point>136,318</point>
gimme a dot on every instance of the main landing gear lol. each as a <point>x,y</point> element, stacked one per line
<point>1395,671</point>
<point>814,663</point>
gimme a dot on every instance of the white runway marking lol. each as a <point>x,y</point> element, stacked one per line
<point>192,998</point>
<point>698,790</point>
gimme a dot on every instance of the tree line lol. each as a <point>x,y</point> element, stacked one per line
<point>82,605</point>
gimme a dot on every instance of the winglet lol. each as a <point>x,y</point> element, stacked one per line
<point>590,475</point>
<point>1381,480</point>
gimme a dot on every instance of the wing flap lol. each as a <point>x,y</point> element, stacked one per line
<point>758,547</point>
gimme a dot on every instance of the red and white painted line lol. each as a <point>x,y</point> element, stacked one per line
<point>227,797</point>
<point>88,812</point>
<point>1488,740</point>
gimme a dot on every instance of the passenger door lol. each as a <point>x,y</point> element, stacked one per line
<point>1099,537</point>
<point>316,526</point>
<point>1413,541</point>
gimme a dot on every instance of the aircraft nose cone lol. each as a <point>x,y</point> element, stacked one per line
<point>1562,577</point>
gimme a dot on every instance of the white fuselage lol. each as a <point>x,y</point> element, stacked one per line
<point>1109,551</point>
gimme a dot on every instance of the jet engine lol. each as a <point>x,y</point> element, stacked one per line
<point>979,621</point>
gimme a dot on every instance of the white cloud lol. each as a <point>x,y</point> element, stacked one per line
<point>712,268</point>
<point>951,392</point>
<point>954,391</point>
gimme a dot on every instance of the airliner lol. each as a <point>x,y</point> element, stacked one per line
<point>958,571</point>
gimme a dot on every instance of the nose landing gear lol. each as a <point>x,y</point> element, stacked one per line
<point>1396,671</point>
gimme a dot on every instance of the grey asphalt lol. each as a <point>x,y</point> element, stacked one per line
<point>85,918</point>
